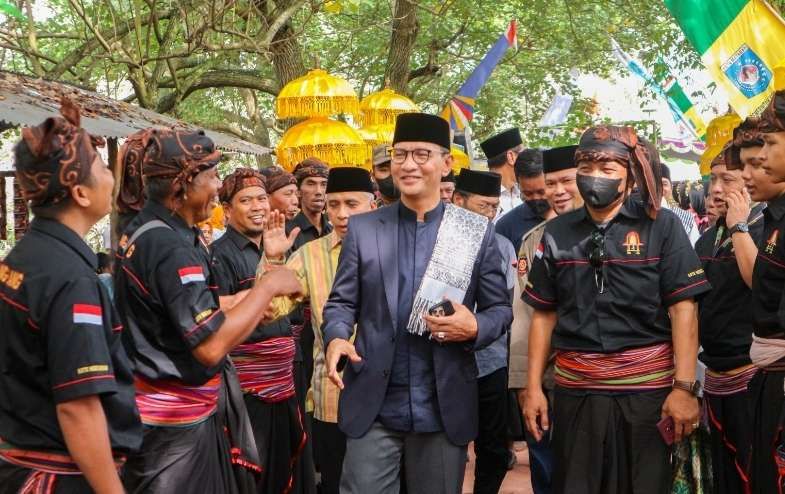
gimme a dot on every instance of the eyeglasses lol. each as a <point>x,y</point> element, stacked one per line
<point>487,208</point>
<point>597,257</point>
<point>419,156</point>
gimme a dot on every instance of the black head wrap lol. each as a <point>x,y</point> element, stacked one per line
<point>240,179</point>
<point>613,143</point>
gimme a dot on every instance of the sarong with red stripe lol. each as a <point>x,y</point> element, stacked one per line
<point>637,369</point>
<point>726,383</point>
<point>265,368</point>
<point>173,404</point>
<point>45,466</point>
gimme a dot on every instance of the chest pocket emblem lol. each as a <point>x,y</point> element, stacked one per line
<point>633,243</point>
<point>771,243</point>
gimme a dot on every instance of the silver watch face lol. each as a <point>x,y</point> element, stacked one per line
<point>743,227</point>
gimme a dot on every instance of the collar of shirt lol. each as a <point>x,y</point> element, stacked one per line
<point>334,240</point>
<point>631,209</point>
<point>174,221</point>
<point>240,240</point>
<point>67,236</point>
<point>776,208</point>
<point>513,191</point>
<point>434,214</point>
<point>305,224</point>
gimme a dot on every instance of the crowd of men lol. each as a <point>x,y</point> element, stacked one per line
<point>354,331</point>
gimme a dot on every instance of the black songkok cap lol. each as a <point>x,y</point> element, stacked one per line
<point>349,179</point>
<point>501,143</point>
<point>557,159</point>
<point>450,177</point>
<point>486,184</point>
<point>666,172</point>
<point>422,127</point>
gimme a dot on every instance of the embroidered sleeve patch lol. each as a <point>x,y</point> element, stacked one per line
<point>88,314</point>
<point>191,274</point>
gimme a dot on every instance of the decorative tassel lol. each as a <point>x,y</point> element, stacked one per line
<point>332,154</point>
<point>316,106</point>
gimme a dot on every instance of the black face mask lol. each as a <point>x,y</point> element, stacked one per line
<point>599,192</point>
<point>538,206</point>
<point>388,189</point>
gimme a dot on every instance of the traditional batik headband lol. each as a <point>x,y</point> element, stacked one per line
<point>62,155</point>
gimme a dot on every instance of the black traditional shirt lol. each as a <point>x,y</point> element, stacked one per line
<point>60,341</point>
<point>648,265</point>
<point>235,259</point>
<point>166,298</point>
<point>308,231</point>
<point>768,277</point>
<point>725,323</point>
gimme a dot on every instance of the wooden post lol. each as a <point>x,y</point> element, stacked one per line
<point>117,171</point>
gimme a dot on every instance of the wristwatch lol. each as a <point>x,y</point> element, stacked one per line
<point>692,387</point>
<point>742,227</point>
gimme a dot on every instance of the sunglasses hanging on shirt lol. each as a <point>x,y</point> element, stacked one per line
<point>597,257</point>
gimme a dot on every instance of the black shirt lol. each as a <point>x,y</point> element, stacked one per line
<point>517,223</point>
<point>308,231</point>
<point>166,298</point>
<point>725,323</point>
<point>768,277</point>
<point>60,341</point>
<point>649,265</point>
<point>235,258</point>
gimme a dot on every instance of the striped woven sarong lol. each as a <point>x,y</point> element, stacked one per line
<point>265,368</point>
<point>638,369</point>
<point>726,383</point>
<point>173,404</point>
<point>45,466</point>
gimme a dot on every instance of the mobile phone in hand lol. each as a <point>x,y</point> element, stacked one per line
<point>442,309</point>
<point>667,430</point>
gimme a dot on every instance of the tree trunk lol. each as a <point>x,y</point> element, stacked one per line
<point>404,34</point>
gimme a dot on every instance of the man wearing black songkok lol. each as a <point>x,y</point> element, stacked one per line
<point>613,287</point>
<point>478,192</point>
<point>197,435</point>
<point>502,150</point>
<point>67,411</point>
<point>409,388</point>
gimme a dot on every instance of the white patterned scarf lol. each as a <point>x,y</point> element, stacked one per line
<point>450,268</point>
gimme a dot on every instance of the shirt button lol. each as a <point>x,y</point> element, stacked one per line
<point>385,373</point>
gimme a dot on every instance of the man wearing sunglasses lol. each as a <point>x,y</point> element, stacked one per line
<point>613,287</point>
<point>563,196</point>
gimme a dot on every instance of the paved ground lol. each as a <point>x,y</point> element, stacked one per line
<point>517,480</point>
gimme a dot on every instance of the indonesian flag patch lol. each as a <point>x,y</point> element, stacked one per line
<point>539,251</point>
<point>88,314</point>
<point>191,274</point>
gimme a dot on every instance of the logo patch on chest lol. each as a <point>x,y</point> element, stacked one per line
<point>633,243</point>
<point>523,266</point>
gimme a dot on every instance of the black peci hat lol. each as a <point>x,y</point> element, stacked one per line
<point>422,127</point>
<point>486,184</point>
<point>557,159</point>
<point>501,143</point>
<point>349,179</point>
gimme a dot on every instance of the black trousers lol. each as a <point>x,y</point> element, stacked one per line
<point>490,447</point>
<point>329,447</point>
<point>766,392</point>
<point>609,443</point>
<point>731,439</point>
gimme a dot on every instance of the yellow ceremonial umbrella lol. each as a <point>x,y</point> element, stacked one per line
<point>460,160</point>
<point>779,77</point>
<point>316,94</point>
<point>718,133</point>
<point>333,142</point>
<point>382,107</point>
<point>377,134</point>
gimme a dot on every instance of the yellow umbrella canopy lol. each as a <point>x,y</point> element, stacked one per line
<point>333,142</point>
<point>779,77</point>
<point>377,134</point>
<point>718,133</point>
<point>460,160</point>
<point>383,106</point>
<point>316,94</point>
